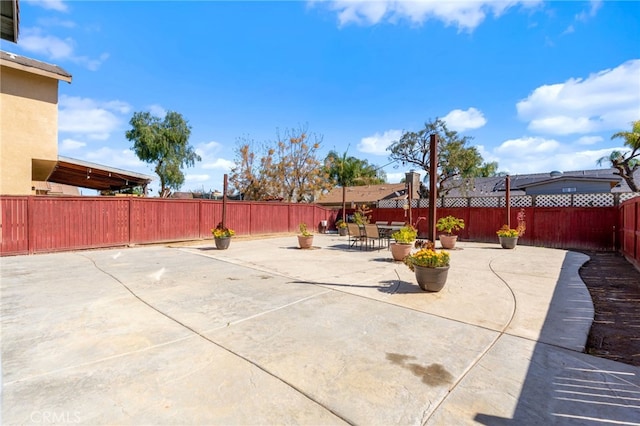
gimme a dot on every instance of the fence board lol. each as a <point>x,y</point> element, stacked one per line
<point>14,226</point>
<point>630,230</point>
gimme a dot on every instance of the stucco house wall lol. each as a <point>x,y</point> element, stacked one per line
<point>28,122</point>
<point>569,186</point>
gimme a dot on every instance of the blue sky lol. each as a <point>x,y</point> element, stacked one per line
<point>539,86</point>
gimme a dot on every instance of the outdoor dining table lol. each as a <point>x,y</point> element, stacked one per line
<point>389,229</point>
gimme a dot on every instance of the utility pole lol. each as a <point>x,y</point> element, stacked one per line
<point>508,199</point>
<point>224,201</point>
<point>433,179</point>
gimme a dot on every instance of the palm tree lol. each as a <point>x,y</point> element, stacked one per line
<point>626,163</point>
<point>350,171</point>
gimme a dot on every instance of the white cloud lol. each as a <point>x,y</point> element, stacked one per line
<point>378,143</point>
<point>539,155</point>
<point>589,140</point>
<point>460,121</point>
<point>52,47</point>
<point>70,145</point>
<point>606,100</point>
<point>594,6</point>
<point>58,5</point>
<point>465,15</point>
<point>57,49</point>
<point>196,178</point>
<point>395,177</point>
<point>219,163</point>
<point>567,160</point>
<point>91,64</point>
<point>56,22</point>
<point>157,111</point>
<point>124,159</point>
<point>84,116</point>
<point>209,153</point>
<point>526,146</point>
<point>208,148</point>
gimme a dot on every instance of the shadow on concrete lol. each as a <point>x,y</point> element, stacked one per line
<point>387,286</point>
<point>562,384</point>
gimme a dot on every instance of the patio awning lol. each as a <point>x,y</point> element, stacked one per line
<point>84,174</point>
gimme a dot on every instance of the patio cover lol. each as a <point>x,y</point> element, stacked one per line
<point>84,174</point>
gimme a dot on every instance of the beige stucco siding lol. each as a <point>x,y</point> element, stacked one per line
<point>28,129</point>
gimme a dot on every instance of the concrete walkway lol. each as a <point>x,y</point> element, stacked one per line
<point>265,333</point>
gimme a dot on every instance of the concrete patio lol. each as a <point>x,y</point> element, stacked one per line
<point>266,333</point>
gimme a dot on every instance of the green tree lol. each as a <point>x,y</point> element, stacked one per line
<point>352,171</point>
<point>456,161</point>
<point>165,144</point>
<point>487,170</point>
<point>626,163</point>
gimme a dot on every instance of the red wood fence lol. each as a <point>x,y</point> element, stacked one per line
<point>592,228</point>
<point>36,224</point>
<point>33,224</point>
<point>630,230</point>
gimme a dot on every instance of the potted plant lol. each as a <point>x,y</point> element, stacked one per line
<point>404,239</point>
<point>449,224</point>
<point>222,236</point>
<point>341,226</point>
<point>508,237</point>
<point>305,239</point>
<point>431,268</point>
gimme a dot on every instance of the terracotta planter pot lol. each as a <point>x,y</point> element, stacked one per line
<point>222,243</point>
<point>399,251</point>
<point>305,242</point>
<point>508,242</point>
<point>448,241</point>
<point>431,279</point>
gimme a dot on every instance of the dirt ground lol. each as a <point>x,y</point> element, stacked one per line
<point>614,285</point>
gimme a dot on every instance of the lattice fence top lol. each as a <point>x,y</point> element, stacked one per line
<point>455,202</point>
<point>553,200</point>
<point>593,200</point>
<point>624,196</point>
<point>606,199</point>
<point>485,202</point>
<point>387,204</point>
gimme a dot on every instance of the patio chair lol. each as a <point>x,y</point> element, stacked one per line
<point>372,235</point>
<point>355,235</point>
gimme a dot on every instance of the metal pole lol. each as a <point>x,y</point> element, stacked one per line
<point>508,199</point>
<point>433,190</point>
<point>410,198</point>
<point>224,201</point>
<point>344,204</point>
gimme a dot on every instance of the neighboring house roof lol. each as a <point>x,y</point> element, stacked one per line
<point>12,60</point>
<point>611,180</point>
<point>525,181</point>
<point>84,174</point>
<point>482,186</point>
<point>10,23</point>
<point>366,194</point>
